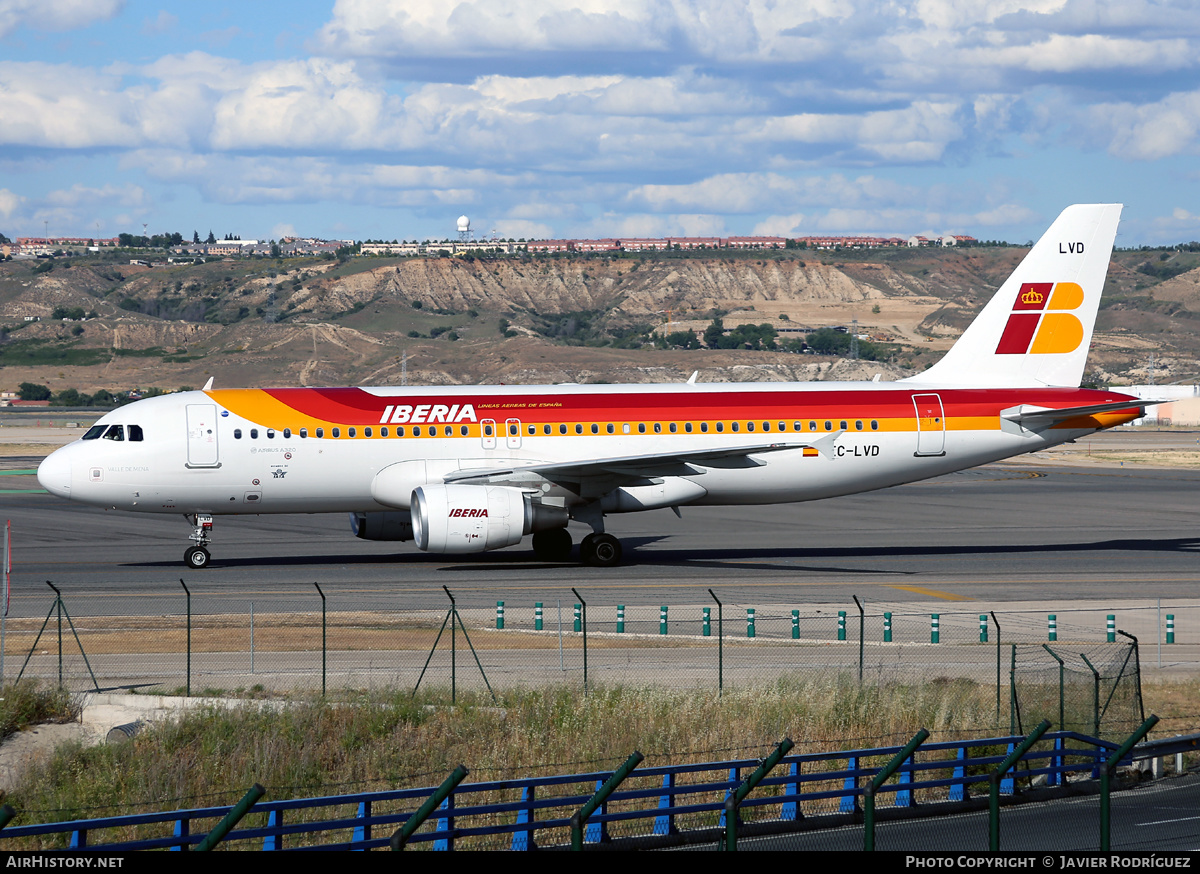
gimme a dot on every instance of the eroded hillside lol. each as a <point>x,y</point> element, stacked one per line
<point>306,321</point>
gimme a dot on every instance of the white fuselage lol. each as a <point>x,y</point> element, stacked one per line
<point>871,434</point>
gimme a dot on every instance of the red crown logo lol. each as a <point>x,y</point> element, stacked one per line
<point>1032,296</point>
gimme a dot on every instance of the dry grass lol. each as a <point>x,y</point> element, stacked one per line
<point>1153,458</point>
<point>391,741</point>
<point>292,632</point>
<point>8,450</point>
<point>388,740</point>
<point>27,703</point>
<point>1175,702</point>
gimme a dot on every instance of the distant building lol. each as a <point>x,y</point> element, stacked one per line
<point>605,245</point>
<point>1181,407</point>
<point>389,249</point>
<point>695,242</point>
<point>644,244</point>
<point>755,242</point>
<point>549,246</point>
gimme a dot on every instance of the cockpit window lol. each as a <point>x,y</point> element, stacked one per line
<point>135,433</point>
<point>94,432</point>
<point>115,432</point>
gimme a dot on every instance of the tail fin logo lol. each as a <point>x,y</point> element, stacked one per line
<point>1041,322</point>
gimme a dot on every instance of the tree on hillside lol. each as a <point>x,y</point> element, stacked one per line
<point>71,397</point>
<point>195,236</point>
<point>32,391</point>
<point>713,334</point>
<point>211,239</point>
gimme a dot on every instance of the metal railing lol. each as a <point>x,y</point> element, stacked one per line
<point>644,807</point>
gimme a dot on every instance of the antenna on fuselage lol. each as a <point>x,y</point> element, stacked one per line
<point>692,378</point>
<point>208,385</point>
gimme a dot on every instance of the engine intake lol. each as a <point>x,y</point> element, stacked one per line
<point>457,519</point>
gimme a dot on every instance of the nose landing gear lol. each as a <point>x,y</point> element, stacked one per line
<point>197,557</point>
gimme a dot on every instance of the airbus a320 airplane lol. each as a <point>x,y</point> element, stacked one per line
<point>466,469</point>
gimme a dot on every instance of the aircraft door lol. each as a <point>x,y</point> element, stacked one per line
<point>487,433</point>
<point>202,436</point>
<point>931,424</point>
<point>512,433</point>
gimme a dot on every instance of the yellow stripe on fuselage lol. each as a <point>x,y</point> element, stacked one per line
<point>262,408</point>
<point>257,406</point>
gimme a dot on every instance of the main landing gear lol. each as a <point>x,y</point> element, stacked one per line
<point>553,544</point>
<point>197,557</point>
<point>598,550</point>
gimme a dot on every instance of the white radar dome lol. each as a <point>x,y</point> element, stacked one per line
<point>464,223</point>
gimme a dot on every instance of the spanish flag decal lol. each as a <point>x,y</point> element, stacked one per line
<point>1041,322</point>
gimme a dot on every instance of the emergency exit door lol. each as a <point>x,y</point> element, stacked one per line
<point>931,424</point>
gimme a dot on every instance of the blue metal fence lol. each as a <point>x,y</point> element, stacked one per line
<point>657,805</point>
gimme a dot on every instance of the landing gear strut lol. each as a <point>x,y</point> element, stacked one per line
<point>600,550</point>
<point>197,556</point>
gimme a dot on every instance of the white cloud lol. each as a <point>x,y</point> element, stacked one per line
<point>429,27</point>
<point>60,106</point>
<point>160,24</point>
<point>1062,53</point>
<point>948,14</point>
<point>919,132</point>
<point>756,192</point>
<point>781,225</point>
<point>9,202</point>
<point>302,103</point>
<point>55,15</point>
<point>79,208</point>
<point>522,229</point>
<point>613,224</point>
<point>625,116</point>
<point>1179,225</point>
<point>1149,132</point>
<point>241,179</point>
<point>81,195</point>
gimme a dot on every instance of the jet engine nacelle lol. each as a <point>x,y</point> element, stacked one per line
<point>382,526</point>
<point>459,519</point>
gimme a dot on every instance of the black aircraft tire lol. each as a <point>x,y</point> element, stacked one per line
<point>196,557</point>
<point>553,545</point>
<point>600,550</point>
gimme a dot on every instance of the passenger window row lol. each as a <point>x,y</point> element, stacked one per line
<point>690,427</point>
<point>489,429</point>
<point>447,431</point>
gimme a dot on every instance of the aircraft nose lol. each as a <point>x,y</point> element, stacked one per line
<point>54,473</point>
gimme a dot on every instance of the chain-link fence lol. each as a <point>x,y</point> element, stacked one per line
<point>1092,690</point>
<point>201,643</point>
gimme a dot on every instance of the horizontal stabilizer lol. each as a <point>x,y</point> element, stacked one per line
<point>1029,415</point>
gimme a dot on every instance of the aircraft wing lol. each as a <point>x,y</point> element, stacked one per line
<point>1032,416</point>
<point>633,466</point>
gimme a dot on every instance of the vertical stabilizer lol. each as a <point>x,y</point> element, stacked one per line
<point>1037,328</point>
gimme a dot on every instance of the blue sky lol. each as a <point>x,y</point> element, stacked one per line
<point>545,118</point>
